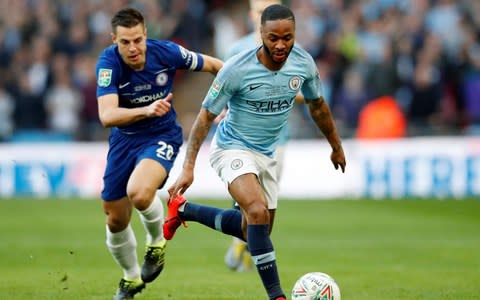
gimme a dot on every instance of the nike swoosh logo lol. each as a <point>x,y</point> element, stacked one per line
<point>162,70</point>
<point>262,259</point>
<point>121,86</point>
<point>255,86</point>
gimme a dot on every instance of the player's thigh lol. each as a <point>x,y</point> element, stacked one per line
<point>153,164</point>
<point>246,190</point>
<point>248,193</point>
<point>147,177</point>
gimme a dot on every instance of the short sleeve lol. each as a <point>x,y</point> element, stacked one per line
<point>107,74</point>
<point>312,87</point>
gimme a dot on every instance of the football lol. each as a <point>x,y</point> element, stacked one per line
<point>316,286</point>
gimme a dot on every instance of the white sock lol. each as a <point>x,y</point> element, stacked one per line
<point>181,208</point>
<point>123,247</point>
<point>236,241</point>
<point>152,220</point>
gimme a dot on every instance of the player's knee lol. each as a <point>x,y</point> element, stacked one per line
<point>140,197</point>
<point>117,222</point>
<point>117,214</point>
<point>257,213</point>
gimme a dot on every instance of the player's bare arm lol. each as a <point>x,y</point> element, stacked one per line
<point>199,132</point>
<point>111,114</point>
<point>299,99</point>
<point>211,64</point>
<point>323,118</point>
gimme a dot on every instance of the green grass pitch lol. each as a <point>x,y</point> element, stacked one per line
<point>409,249</point>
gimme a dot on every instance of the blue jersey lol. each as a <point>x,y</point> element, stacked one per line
<point>140,88</point>
<point>259,100</point>
<point>156,138</point>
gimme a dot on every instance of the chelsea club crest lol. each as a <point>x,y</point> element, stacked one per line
<point>161,79</point>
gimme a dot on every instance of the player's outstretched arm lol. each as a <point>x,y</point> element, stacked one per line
<point>211,64</point>
<point>324,120</point>
<point>111,114</point>
<point>199,132</point>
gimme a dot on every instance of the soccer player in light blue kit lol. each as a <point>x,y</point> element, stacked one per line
<point>238,257</point>
<point>134,84</point>
<point>259,87</point>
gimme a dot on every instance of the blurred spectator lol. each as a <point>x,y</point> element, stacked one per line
<point>382,118</point>
<point>310,25</point>
<point>29,106</point>
<point>373,39</point>
<point>471,78</point>
<point>38,71</point>
<point>227,25</point>
<point>85,81</point>
<point>193,29</point>
<point>7,106</point>
<point>349,101</point>
<point>382,75</point>
<point>77,40</point>
<point>404,68</point>
<point>443,20</point>
<point>422,53</point>
<point>63,103</point>
<point>423,112</point>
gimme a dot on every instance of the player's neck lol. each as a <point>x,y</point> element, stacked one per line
<point>267,61</point>
<point>137,68</point>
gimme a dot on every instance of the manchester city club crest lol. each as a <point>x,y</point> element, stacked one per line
<point>294,83</point>
<point>236,164</point>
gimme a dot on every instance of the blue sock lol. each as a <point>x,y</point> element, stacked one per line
<point>263,256</point>
<point>228,221</point>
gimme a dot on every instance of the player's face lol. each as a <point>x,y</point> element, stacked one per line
<point>132,45</point>
<point>278,37</point>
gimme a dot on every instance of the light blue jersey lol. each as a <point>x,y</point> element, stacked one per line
<point>259,100</point>
<point>246,43</point>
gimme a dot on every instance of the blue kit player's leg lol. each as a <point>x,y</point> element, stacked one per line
<point>136,168</point>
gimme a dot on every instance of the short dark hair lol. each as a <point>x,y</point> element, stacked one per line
<point>276,12</point>
<point>127,17</point>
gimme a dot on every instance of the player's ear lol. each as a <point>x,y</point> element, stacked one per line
<point>114,38</point>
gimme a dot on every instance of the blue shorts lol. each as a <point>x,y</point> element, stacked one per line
<point>126,151</point>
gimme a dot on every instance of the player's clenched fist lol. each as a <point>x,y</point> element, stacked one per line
<point>160,107</point>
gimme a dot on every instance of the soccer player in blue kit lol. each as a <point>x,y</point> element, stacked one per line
<point>134,84</point>
<point>259,87</point>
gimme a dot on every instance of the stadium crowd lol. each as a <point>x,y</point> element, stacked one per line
<point>424,55</point>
